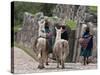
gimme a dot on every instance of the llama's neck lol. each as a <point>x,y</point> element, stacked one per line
<point>58,37</point>
<point>41,32</point>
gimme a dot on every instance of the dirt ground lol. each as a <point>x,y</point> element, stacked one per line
<point>23,63</point>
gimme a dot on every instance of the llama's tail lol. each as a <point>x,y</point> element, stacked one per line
<point>65,50</point>
<point>40,54</point>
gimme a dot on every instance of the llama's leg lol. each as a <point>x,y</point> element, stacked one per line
<point>62,58</point>
<point>57,62</point>
<point>41,62</point>
<point>62,64</point>
<point>46,60</point>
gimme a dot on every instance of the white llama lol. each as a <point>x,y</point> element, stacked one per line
<point>61,48</point>
<point>42,45</point>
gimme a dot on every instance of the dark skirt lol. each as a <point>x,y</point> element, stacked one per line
<point>50,45</point>
<point>85,52</point>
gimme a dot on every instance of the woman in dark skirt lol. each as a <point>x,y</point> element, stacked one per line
<point>48,36</point>
<point>87,52</point>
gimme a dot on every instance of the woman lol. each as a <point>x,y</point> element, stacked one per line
<point>64,34</point>
<point>87,52</point>
<point>48,35</point>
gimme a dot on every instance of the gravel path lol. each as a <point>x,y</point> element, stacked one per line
<point>23,63</point>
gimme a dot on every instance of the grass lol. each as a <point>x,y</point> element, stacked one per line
<point>93,9</point>
<point>17,28</point>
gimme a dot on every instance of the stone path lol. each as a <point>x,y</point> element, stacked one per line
<point>23,63</point>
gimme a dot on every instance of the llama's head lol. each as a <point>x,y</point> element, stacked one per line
<point>41,24</point>
<point>58,32</point>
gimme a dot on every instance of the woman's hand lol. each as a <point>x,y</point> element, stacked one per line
<point>49,34</point>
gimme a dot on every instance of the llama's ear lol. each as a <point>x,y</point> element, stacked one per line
<point>56,28</point>
<point>44,22</point>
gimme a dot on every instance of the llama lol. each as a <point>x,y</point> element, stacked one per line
<point>60,49</point>
<point>42,45</point>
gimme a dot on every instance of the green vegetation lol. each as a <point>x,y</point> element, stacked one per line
<point>93,9</point>
<point>17,28</point>
<point>21,7</point>
<point>71,24</point>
